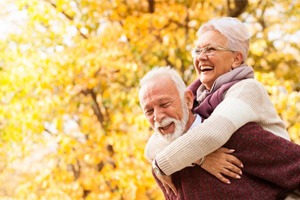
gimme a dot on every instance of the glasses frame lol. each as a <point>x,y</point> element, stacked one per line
<point>205,50</point>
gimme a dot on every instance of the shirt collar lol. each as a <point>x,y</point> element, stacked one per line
<point>197,121</point>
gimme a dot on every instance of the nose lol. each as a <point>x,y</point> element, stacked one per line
<point>158,115</point>
<point>202,56</point>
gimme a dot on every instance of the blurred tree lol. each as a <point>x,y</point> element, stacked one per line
<point>71,126</point>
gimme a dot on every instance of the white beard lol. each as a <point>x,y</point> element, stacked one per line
<point>180,125</point>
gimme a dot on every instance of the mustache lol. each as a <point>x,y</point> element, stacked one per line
<point>165,122</point>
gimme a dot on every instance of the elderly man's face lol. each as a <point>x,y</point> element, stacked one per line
<point>164,109</point>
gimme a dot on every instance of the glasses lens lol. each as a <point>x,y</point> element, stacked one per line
<point>210,49</point>
<point>195,52</point>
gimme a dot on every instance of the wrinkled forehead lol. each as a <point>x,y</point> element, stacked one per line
<point>211,37</point>
<point>159,88</point>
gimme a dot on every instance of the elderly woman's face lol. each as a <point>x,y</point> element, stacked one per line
<point>210,66</point>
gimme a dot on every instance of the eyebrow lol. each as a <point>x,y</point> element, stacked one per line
<point>207,44</point>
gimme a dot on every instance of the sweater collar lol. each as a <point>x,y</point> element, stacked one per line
<point>242,72</point>
<point>196,122</point>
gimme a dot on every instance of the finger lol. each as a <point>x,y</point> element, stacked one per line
<point>230,174</point>
<point>170,185</point>
<point>173,188</point>
<point>166,188</point>
<point>233,168</point>
<point>226,150</point>
<point>222,178</point>
<point>234,160</point>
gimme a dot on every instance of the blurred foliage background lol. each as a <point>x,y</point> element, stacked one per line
<point>70,122</point>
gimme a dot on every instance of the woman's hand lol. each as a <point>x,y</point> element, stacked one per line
<point>167,183</point>
<point>221,163</point>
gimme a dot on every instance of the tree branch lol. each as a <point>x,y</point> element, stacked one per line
<point>95,106</point>
<point>151,6</point>
<point>68,17</point>
<point>239,7</point>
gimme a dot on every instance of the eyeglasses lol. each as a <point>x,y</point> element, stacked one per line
<point>208,50</point>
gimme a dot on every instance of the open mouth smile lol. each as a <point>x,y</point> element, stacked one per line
<point>165,127</point>
<point>206,68</point>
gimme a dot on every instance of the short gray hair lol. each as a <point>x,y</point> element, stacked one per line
<point>233,30</point>
<point>163,72</point>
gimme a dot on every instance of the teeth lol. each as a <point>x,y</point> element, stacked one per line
<point>166,127</point>
<point>203,68</point>
<point>206,67</point>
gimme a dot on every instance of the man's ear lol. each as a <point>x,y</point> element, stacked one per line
<point>189,98</point>
<point>238,60</point>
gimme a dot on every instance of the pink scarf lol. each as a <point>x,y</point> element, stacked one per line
<point>206,101</point>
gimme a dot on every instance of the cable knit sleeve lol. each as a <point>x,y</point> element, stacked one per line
<point>155,145</point>
<point>246,101</point>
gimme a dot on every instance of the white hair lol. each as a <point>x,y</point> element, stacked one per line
<point>163,72</point>
<point>233,30</point>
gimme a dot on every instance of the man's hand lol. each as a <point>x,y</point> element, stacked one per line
<point>167,183</point>
<point>221,162</point>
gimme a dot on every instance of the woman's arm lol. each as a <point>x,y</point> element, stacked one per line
<point>154,145</point>
<point>220,163</point>
<point>242,104</point>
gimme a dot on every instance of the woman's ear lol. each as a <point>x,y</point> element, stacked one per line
<point>189,99</point>
<point>238,60</point>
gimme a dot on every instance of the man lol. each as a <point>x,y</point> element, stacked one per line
<point>167,106</point>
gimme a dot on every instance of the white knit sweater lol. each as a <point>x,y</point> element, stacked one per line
<point>245,101</point>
